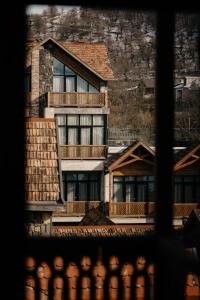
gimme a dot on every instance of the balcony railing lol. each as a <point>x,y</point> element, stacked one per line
<point>83,151</point>
<point>144,209</point>
<point>80,208</point>
<point>56,99</point>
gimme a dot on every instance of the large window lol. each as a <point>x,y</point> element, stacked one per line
<point>66,80</point>
<point>133,189</point>
<point>81,129</point>
<point>81,186</point>
<point>187,189</point>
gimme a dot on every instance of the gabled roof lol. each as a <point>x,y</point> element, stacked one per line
<point>137,151</point>
<point>187,157</point>
<point>95,217</point>
<point>41,162</point>
<point>94,56</point>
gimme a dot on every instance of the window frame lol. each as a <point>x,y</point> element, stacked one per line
<point>75,76</point>
<point>79,127</point>
<point>136,182</point>
<point>88,182</point>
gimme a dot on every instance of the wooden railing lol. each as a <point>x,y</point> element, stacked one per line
<point>80,208</point>
<point>144,209</point>
<point>83,151</point>
<point>56,99</point>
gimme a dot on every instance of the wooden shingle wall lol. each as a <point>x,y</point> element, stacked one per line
<point>41,161</point>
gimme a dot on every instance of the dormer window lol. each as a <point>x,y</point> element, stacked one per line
<point>66,80</point>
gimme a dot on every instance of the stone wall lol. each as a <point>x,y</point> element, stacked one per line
<point>38,223</point>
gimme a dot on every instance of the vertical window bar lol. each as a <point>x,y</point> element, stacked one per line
<point>165,285</point>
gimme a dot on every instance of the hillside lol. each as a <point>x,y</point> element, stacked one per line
<point>131,40</point>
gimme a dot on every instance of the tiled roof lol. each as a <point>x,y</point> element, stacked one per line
<point>101,231</point>
<point>95,217</point>
<point>41,161</point>
<point>95,55</point>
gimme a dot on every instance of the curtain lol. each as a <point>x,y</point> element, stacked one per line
<point>130,197</point>
<point>58,84</point>
<point>72,136</point>
<point>86,120</point>
<point>72,120</point>
<point>70,84</point>
<point>98,136</point>
<point>188,194</point>
<point>62,136</point>
<point>141,189</point>
<point>83,191</point>
<point>177,193</point>
<point>71,191</point>
<point>98,120</point>
<point>85,136</point>
<point>94,191</point>
<point>82,85</point>
<point>117,192</point>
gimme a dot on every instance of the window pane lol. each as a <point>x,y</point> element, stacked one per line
<point>69,71</point>
<point>62,136</point>
<point>94,176</point>
<point>141,191</point>
<point>72,120</point>
<point>188,194</point>
<point>129,178</point>
<point>72,136</point>
<point>58,84</point>
<point>177,193</point>
<point>94,191</point>
<point>151,194</point>
<point>141,178</point>
<point>118,179</point>
<point>61,120</point>
<point>85,120</point>
<point>83,176</point>
<point>71,176</point>
<point>98,120</point>
<point>71,191</point>
<point>118,192</point>
<point>82,85</point>
<point>188,178</point>
<point>83,191</point>
<point>98,136</point>
<point>85,136</point>
<point>70,84</point>
<point>178,179</point>
<point>92,89</point>
<point>130,195</point>
<point>58,67</point>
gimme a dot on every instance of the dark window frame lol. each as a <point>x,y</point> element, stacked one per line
<point>136,182</point>
<point>79,127</point>
<point>88,181</point>
<point>75,76</point>
<point>183,183</point>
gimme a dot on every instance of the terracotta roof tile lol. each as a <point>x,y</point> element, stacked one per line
<point>95,55</point>
<point>41,161</point>
<point>101,231</point>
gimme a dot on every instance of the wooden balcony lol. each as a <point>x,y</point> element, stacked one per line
<point>83,151</point>
<point>144,209</point>
<point>80,208</point>
<point>55,99</point>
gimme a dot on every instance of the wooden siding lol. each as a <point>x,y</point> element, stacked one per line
<point>83,151</point>
<point>58,99</point>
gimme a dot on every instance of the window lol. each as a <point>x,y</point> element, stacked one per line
<point>66,80</point>
<point>186,189</point>
<point>81,186</point>
<point>27,80</point>
<point>133,189</point>
<point>81,129</point>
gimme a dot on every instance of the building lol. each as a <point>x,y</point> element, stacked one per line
<point>69,167</point>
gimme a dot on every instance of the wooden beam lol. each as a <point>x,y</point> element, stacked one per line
<point>178,167</point>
